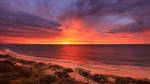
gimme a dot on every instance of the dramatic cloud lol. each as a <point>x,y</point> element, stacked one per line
<point>22,24</point>
<point>55,21</point>
<point>113,16</point>
<point>21,19</point>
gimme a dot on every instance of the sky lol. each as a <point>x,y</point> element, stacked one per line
<point>74,22</point>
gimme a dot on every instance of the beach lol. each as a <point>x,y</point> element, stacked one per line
<point>79,73</point>
<point>115,68</point>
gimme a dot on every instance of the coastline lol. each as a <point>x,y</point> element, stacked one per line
<point>77,68</point>
<point>124,71</point>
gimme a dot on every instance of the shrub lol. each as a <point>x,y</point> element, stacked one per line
<point>4,81</point>
<point>6,66</point>
<point>83,72</point>
<point>37,65</point>
<point>124,80</point>
<point>6,62</point>
<point>70,81</point>
<point>10,71</point>
<point>43,79</point>
<point>25,61</point>
<point>4,56</point>
<point>24,71</point>
<point>55,67</point>
<point>9,67</point>
<point>99,78</point>
<point>29,81</point>
<point>62,74</point>
<point>12,58</point>
<point>142,82</point>
<point>10,75</point>
<point>47,79</point>
<point>49,64</point>
<point>69,70</point>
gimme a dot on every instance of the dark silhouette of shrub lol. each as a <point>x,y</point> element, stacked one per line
<point>70,81</point>
<point>129,80</point>
<point>62,74</point>
<point>47,79</point>
<point>29,81</point>
<point>24,72</point>
<point>83,72</point>
<point>6,66</point>
<point>55,67</point>
<point>99,78</point>
<point>37,65</point>
<point>25,61</point>
<point>142,82</point>
<point>9,67</point>
<point>68,70</point>
<point>4,56</point>
<point>12,59</point>
<point>10,75</point>
<point>4,81</point>
<point>6,62</point>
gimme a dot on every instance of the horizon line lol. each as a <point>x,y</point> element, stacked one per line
<point>75,44</point>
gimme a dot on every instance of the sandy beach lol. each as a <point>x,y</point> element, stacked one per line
<point>77,72</point>
<point>125,71</point>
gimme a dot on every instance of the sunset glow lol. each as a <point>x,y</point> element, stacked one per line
<point>81,24</point>
<point>66,43</point>
<point>75,41</point>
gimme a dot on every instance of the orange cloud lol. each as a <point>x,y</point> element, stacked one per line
<point>76,32</point>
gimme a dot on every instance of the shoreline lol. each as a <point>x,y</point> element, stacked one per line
<point>79,74</point>
<point>126,71</point>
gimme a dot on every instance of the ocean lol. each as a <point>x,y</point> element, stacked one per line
<point>130,55</point>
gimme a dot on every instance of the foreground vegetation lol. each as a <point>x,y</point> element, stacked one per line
<point>19,71</point>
